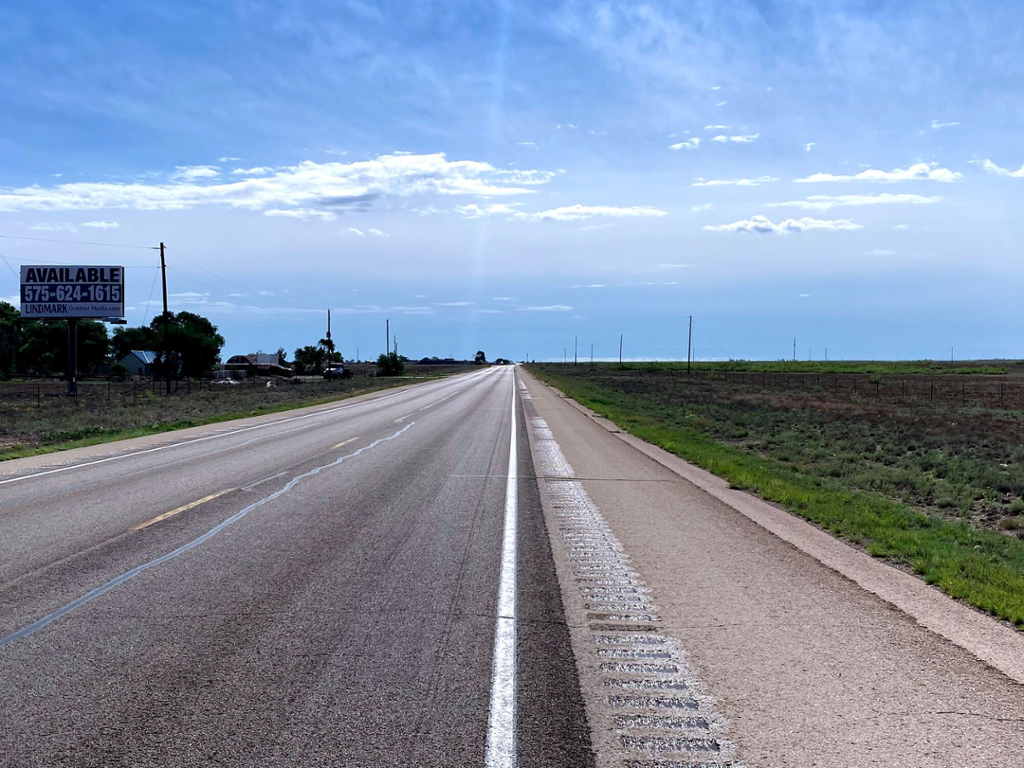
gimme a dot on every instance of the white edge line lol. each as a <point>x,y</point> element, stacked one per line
<point>501,723</point>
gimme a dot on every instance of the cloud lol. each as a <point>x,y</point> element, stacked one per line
<point>546,308</point>
<point>805,296</point>
<point>701,207</point>
<point>991,167</point>
<point>260,170</point>
<point>700,182</point>
<point>742,139</point>
<point>901,227</point>
<point>308,184</point>
<point>688,144</point>
<point>716,87</point>
<point>101,225</point>
<point>45,226</point>
<point>474,211</point>
<point>592,227</point>
<point>762,226</point>
<point>597,285</point>
<point>721,103</point>
<point>917,172</point>
<point>413,310</point>
<point>809,145</point>
<point>716,127</point>
<point>454,303</point>
<point>228,159</point>
<point>193,172</point>
<point>576,212</point>
<point>530,144</point>
<point>936,124</point>
<point>566,213</point>
<point>881,252</point>
<point>357,232</point>
<point>503,298</point>
<point>300,213</point>
<point>378,233</point>
<point>824,202</point>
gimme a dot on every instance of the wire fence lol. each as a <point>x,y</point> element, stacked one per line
<point>961,389</point>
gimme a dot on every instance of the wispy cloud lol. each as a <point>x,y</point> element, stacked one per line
<point>917,172</point>
<point>530,144</point>
<point>881,252</point>
<point>810,145</point>
<point>716,127</point>
<point>701,182</point>
<point>377,233</point>
<point>702,207</point>
<point>688,144</point>
<point>45,226</point>
<point>454,303</point>
<point>991,167</point>
<point>101,224</point>
<point>412,310</point>
<point>937,125</point>
<point>194,172</point>
<point>761,225</point>
<point>305,214</point>
<point>565,213</point>
<point>325,186</point>
<point>742,139</point>
<point>356,232</point>
<point>824,202</point>
<point>546,308</point>
<point>721,103</point>
<point>228,159</point>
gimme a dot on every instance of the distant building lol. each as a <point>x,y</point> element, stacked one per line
<point>139,362</point>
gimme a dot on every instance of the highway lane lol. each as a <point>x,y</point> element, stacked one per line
<point>330,600</point>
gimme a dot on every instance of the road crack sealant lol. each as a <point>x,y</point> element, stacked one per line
<point>127,575</point>
<point>646,705</point>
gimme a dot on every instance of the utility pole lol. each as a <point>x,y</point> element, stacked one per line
<point>826,354</point>
<point>167,350</point>
<point>794,349</point>
<point>387,335</point>
<point>689,346</point>
<point>620,350</point>
<point>591,355</point>
<point>951,354</point>
<point>565,356</point>
<point>575,349</point>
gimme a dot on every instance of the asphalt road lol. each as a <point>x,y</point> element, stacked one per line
<point>332,598</point>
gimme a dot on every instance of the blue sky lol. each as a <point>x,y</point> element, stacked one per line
<point>510,176</point>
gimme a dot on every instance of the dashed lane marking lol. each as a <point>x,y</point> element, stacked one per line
<point>344,442</point>
<point>182,508</point>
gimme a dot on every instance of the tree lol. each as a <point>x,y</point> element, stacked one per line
<point>481,358</point>
<point>193,344</point>
<point>310,359</point>
<point>390,364</point>
<point>10,338</point>
<point>126,339</point>
<point>44,346</point>
<point>282,357</point>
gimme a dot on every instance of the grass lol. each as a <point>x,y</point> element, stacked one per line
<point>29,429</point>
<point>934,488</point>
<point>900,367</point>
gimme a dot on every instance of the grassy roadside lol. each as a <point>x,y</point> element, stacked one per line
<point>95,435</point>
<point>981,567</point>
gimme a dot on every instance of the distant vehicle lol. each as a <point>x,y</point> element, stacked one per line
<point>337,371</point>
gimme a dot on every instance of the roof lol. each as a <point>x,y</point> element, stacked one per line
<point>145,355</point>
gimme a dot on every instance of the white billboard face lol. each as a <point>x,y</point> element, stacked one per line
<point>72,291</point>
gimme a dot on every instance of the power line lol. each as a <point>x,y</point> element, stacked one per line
<point>11,268</point>
<point>80,242</point>
<point>149,301</point>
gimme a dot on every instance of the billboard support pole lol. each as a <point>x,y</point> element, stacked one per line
<point>73,357</point>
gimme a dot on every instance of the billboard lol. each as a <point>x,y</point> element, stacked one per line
<point>72,291</point>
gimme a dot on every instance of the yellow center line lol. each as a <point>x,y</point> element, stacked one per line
<point>345,442</point>
<point>400,419</point>
<point>185,508</point>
